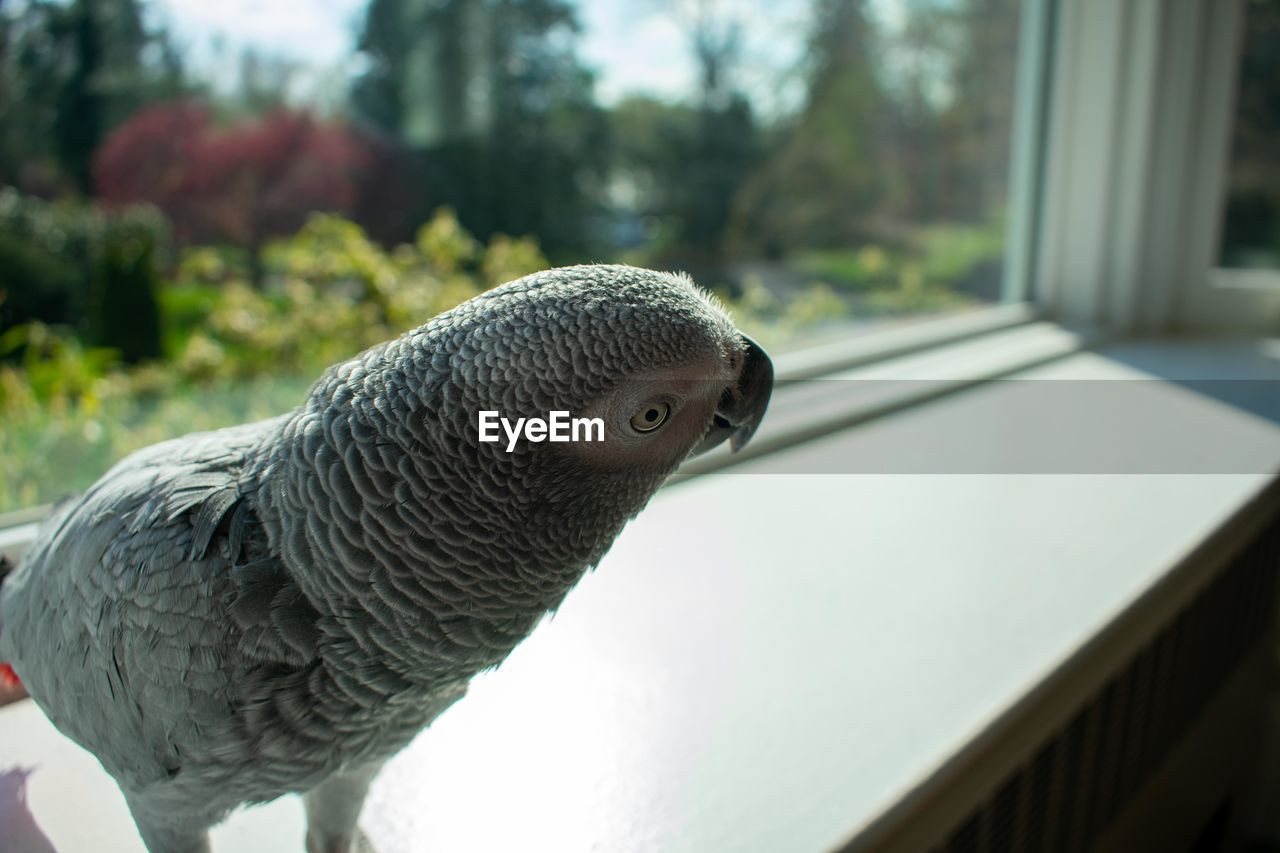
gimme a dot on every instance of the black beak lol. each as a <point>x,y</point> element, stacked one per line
<point>743,404</point>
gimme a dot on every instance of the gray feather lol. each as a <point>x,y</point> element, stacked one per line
<point>232,615</point>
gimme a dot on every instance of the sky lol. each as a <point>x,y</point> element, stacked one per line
<point>633,45</point>
<point>316,32</point>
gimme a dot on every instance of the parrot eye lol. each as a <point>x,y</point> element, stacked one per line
<point>649,418</point>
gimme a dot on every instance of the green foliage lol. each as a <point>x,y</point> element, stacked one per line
<point>914,293</point>
<point>506,259</point>
<point>69,73</point>
<point>55,368</point>
<point>72,265</point>
<point>51,447</point>
<point>782,322</point>
<point>332,292</point>
<point>445,244</point>
<point>184,306</point>
<point>34,284</point>
<point>937,268</point>
<point>860,269</point>
<point>123,313</point>
<point>830,173</point>
<point>952,252</point>
<point>66,232</point>
<point>493,107</point>
<point>236,353</point>
<point>334,252</point>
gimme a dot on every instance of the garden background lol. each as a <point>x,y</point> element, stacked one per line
<point>185,245</point>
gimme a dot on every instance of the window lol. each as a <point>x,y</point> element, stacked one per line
<point>1251,222</point>
<point>829,166</point>
<point>833,165</point>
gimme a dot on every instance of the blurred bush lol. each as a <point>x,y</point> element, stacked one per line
<point>952,257</point>
<point>235,352</point>
<point>35,285</point>
<point>72,403</point>
<point>123,312</point>
<point>779,322</point>
<point>73,265</point>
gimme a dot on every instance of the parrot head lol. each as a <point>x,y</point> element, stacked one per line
<point>649,355</point>
<point>654,361</point>
<point>507,526</point>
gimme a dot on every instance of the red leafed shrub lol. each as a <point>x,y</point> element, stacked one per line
<point>154,157</point>
<point>242,184</point>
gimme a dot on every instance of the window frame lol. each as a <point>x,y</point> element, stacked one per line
<point>1137,148</point>
<point>1224,278</point>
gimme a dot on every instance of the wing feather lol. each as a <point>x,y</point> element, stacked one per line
<point>136,612</point>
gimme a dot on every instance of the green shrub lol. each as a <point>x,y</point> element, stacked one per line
<point>55,369</point>
<point>853,269</point>
<point>123,312</point>
<point>34,284</point>
<point>235,353</point>
<point>782,322</point>
<point>185,307</point>
<point>51,248</point>
<point>71,265</point>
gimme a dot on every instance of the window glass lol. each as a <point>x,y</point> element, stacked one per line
<point>205,204</point>
<point>1251,226</point>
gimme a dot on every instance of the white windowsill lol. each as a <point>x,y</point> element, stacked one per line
<point>770,659</point>
<point>806,406</point>
<point>913,337</point>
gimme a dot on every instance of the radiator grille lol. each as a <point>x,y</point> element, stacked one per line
<point>1064,797</point>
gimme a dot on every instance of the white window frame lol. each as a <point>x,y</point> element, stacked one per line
<point>1233,278</point>
<point>1137,148</point>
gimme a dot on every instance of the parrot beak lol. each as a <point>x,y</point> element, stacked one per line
<point>743,404</point>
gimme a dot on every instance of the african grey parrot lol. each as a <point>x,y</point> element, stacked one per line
<point>230,616</point>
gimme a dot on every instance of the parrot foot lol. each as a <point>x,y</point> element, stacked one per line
<point>163,839</point>
<point>333,807</point>
<point>169,832</point>
<point>356,843</point>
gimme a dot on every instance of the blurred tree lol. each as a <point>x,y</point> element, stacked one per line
<point>69,73</point>
<point>980,115</point>
<point>123,312</point>
<point>74,265</point>
<point>683,163</point>
<point>725,150</point>
<point>543,150</point>
<point>825,182</point>
<point>79,124</point>
<point>947,109</point>
<point>386,41</point>
<point>649,141</point>
<point>154,157</point>
<point>29,82</point>
<point>262,84</point>
<point>390,190</point>
<point>495,106</point>
<point>242,185</point>
<point>922,180</point>
<point>263,178</point>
